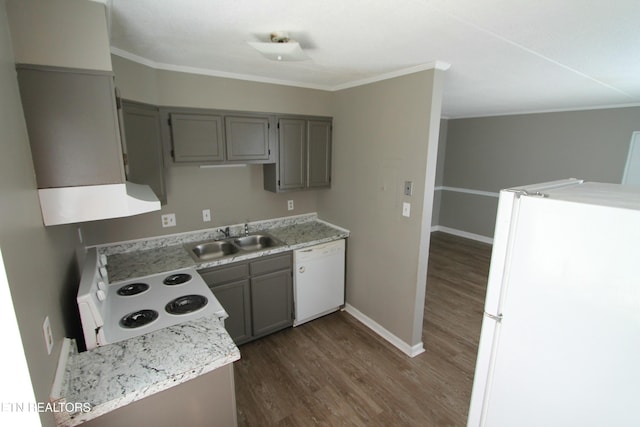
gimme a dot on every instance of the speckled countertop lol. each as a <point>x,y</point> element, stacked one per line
<point>163,254</point>
<point>115,375</point>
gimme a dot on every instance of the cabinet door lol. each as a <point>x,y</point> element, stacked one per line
<point>236,301</point>
<point>271,299</point>
<point>292,142</point>
<point>73,126</point>
<point>143,146</point>
<point>197,138</point>
<point>247,138</point>
<point>319,153</point>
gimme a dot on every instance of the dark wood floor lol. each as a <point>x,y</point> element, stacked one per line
<point>335,371</point>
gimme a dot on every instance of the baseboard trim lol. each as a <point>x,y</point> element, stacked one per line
<point>460,233</point>
<point>411,351</point>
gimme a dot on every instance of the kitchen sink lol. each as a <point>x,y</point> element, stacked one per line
<point>255,242</point>
<point>215,249</point>
<point>212,249</point>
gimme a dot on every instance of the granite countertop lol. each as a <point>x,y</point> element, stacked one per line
<point>164,254</point>
<point>115,375</point>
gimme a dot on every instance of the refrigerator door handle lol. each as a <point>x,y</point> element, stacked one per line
<point>520,193</point>
<point>497,318</point>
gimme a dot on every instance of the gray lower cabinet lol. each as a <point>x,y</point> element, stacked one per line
<point>257,295</point>
<point>143,146</point>
<point>236,299</point>
<point>304,155</point>
<point>271,302</point>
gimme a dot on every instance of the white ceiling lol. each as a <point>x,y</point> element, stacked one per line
<point>505,56</point>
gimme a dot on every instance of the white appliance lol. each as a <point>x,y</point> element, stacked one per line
<point>318,282</point>
<point>560,339</point>
<point>112,312</point>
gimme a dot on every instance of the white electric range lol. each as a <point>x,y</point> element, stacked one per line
<point>113,312</point>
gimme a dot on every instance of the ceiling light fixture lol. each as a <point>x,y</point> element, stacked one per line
<point>280,48</point>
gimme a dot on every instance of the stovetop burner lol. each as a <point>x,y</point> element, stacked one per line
<point>138,318</point>
<point>186,304</point>
<point>132,289</point>
<point>114,312</point>
<point>177,279</point>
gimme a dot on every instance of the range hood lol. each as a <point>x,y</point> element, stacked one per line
<point>66,205</point>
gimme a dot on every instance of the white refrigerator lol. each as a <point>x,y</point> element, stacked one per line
<point>560,339</point>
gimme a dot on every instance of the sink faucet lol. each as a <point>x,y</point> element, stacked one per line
<point>225,232</point>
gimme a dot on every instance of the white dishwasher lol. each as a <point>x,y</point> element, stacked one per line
<point>318,282</point>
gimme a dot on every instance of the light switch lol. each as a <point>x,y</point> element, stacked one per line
<point>406,209</point>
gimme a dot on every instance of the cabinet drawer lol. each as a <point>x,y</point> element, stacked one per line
<point>273,263</point>
<point>220,275</point>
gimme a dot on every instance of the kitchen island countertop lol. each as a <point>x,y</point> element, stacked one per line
<point>112,376</point>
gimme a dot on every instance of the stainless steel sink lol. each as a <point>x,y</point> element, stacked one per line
<point>255,242</point>
<point>212,249</point>
<point>215,249</point>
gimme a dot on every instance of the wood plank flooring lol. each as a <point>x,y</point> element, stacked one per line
<point>334,371</point>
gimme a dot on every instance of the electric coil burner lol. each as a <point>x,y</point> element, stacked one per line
<point>186,304</point>
<point>138,319</point>
<point>119,311</point>
<point>132,289</point>
<point>177,279</point>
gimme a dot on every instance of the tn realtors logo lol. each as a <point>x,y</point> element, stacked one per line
<point>71,407</point>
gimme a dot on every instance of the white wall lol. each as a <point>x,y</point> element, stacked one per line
<point>61,22</point>
<point>383,136</point>
<point>40,262</point>
<point>491,153</point>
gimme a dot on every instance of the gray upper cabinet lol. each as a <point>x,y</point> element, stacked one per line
<point>247,138</point>
<point>197,138</point>
<point>143,146</point>
<point>304,155</point>
<point>204,136</point>
<point>319,148</point>
<point>292,143</point>
<point>73,126</point>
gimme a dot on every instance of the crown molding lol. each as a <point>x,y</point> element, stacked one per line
<point>438,65</point>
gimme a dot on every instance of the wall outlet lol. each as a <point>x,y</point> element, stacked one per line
<point>206,215</point>
<point>48,335</point>
<point>169,220</point>
<point>290,205</point>
<point>408,188</point>
<point>406,209</point>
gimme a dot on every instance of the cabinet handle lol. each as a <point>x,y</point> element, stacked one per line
<point>301,269</point>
